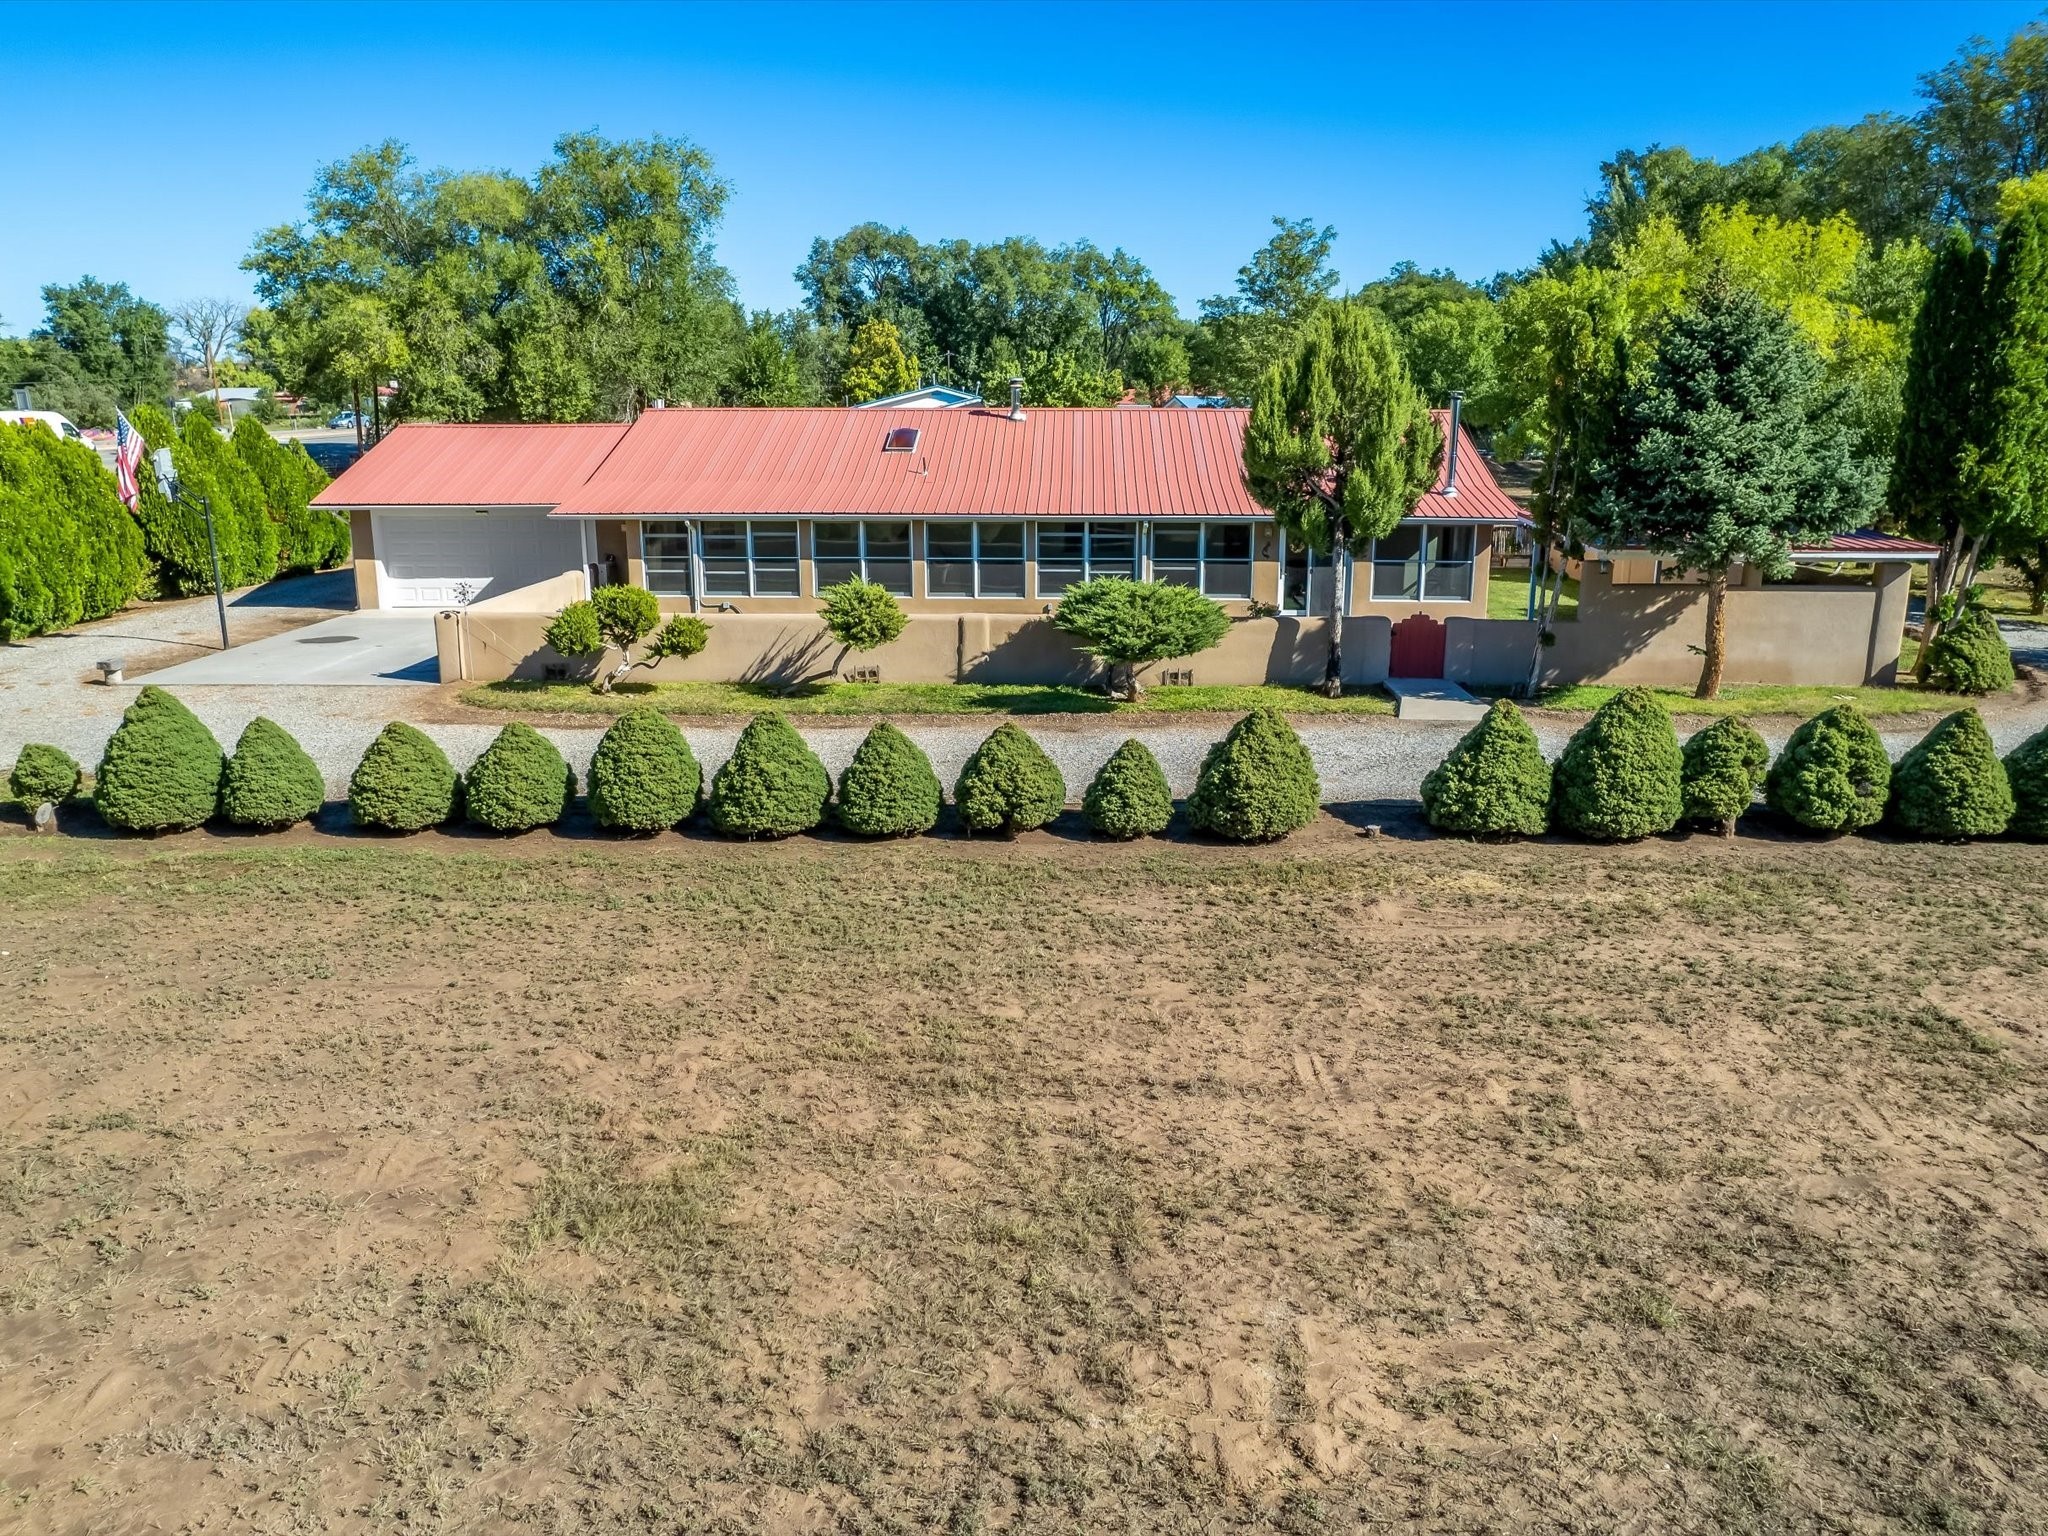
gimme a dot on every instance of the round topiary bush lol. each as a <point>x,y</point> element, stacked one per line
<point>1257,783</point>
<point>2026,771</point>
<point>404,783</point>
<point>1621,774</point>
<point>270,781</point>
<point>43,775</point>
<point>162,768</point>
<point>643,776</point>
<point>889,789</point>
<point>1009,785</point>
<point>773,784</point>
<point>1494,783</point>
<point>1128,797</point>
<point>1950,784</point>
<point>1724,767</point>
<point>520,782</point>
<point>1970,656</point>
<point>1834,774</point>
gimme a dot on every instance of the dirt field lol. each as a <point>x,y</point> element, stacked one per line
<point>549,1186</point>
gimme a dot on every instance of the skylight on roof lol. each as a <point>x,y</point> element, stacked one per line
<point>901,440</point>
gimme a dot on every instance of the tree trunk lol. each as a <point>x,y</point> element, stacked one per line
<point>356,394</point>
<point>1551,592</point>
<point>1123,682</point>
<point>1333,667</point>
<point>1939,581</point>
<point>1717,637</point>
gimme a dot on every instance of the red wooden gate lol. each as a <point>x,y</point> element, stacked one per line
<point>1418,648</point>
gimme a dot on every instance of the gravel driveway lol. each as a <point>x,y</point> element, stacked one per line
<point>44,696</point>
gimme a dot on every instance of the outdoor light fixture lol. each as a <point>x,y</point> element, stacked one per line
<point>167,482</point>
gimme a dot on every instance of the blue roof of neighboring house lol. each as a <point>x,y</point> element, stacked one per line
<point>1196,402</point>
<point>940,395</point>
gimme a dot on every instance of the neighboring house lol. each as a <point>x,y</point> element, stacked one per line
<point>931,397</point>
<point>240,401</point>
<point>978,519</point>
<point>1198,402</point>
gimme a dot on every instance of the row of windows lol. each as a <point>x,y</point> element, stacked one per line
<point>986,559</point>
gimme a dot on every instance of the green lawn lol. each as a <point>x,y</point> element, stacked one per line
<point>1763,699</point>
<point>700,699</point>
<point>2005,593</point>
<point>1507,596</point>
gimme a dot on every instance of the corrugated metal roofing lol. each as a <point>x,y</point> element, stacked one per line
<point>524,464</point>
<point>1479,498</point>
<point>1865,542</point>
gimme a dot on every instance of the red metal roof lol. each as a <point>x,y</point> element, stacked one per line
<point>1865,542</point>
<point>971,462</point>
<point>1479,498</point>
<point>529,464</point>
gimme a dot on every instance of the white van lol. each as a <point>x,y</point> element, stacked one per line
<point>61,425</point>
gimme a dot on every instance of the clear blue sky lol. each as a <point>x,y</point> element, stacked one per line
<point>149,143</point>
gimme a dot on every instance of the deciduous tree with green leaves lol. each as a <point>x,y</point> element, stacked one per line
<point>1728,453</point>
<point>1340,445</point>
<point>876,364</point>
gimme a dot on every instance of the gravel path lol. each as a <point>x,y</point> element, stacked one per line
<point>44,696</point>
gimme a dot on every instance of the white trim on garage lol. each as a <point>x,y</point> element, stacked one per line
<point>438,558</point>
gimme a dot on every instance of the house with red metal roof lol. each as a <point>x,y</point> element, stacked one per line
<point>978,519</point>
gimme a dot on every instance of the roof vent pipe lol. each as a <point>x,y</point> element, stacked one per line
<point>660,405</point>
<point>1016,399</point>
<point>1451,464</point>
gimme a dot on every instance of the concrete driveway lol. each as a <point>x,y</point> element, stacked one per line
<point>373,648</point>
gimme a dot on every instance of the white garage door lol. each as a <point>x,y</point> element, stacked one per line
<point>451,559</point>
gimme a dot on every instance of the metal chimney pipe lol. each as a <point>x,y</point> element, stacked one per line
<point>1016,399</point>
<point>1451,464</point>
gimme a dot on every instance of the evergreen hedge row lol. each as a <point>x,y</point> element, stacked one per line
<point>69,551</point>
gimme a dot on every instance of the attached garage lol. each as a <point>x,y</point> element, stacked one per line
<point>453,559</point>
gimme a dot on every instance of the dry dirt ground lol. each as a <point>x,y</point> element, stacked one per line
<point>546,1186</point>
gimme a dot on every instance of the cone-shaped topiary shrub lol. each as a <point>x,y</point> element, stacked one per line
<point>773,784</point>
<point>162,768</point>
<point>43,775</point>
<point>889,789</point>
<point>1951,785</point>
<point>1724,768</point>
<point>1257,783</point>
<point>1494,783</point>
<point>643,776</point>
<point>520,782</point>
<point>1128,796</point>
<point>1009,785</point>
<point>1621,773</point>
<point>1970,656</point>
<point>1834,774</point>
<point>270,781</point>
<point>2026,770</point>
<point>404,783</point>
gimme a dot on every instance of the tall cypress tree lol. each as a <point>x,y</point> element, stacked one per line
<point>1930,494</point>
<point>2009,470</point>
<point>1340,444</point>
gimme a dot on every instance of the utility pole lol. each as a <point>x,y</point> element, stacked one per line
<point>167,482</point>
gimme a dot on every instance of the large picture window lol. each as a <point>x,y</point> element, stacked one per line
<point>974,559</point>
<point>1074,552</point>
<point>1417,563</point>
<point>665,548</point>
<point>877,552</point>
<point>748,559</point>
<point>1214,558</point>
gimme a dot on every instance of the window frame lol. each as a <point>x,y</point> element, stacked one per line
<point>1203,559</point>
<point>1424,565</point>
<point>1129,567</point>
<point>1315,562</point>
<point>689,538</point>
<point>975,560</point>
<point>750,524</point>
<point>908,559</point>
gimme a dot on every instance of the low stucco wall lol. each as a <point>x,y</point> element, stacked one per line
<point>485,644</point>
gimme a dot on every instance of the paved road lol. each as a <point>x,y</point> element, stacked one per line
<point>44,697</point>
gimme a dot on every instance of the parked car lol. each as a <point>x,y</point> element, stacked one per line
<point>57,423</point>
<point>345,419</point>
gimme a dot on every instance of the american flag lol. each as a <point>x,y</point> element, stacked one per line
<point>128,446</point>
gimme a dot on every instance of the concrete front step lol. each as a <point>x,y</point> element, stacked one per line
<point>1432,698</point>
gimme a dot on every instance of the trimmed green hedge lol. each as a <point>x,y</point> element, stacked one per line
<point>162,768</point>
<point>43,775</point>
<point>270,781</point>
<point>889,789</point>
<point>1970,656</point>
<point>643,776</point>
<point>1129,796</point>
<point>69,551</point>
<point>773,784</point>
<point>1951,785</point>
<point>1258,783</point>
<point>519,783</point>
<point>1834,774</point>
<point>309,539</point>
<point>1494,782</point>
<point>1620,777</point>
<point>404,782</point>
<point>2026,770</point>
<point>1009,785</point>
<point>1724,766</point>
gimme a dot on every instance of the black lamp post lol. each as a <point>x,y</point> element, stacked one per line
<point>167,482</point>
